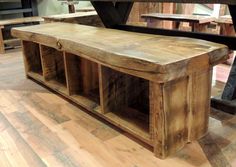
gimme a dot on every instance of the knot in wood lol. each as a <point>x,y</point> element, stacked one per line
<point>59,45</point>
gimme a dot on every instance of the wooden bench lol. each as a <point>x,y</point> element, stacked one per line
<point>154,87</point>
<point>85,18</point>
<point>16,21</point>
<point>86,9</point>
<point>196,22</point>
<point>227,29</point>
<point>226,25</point>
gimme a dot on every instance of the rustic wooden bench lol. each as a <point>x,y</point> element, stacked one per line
<point>155,87</point>
<point>227,29</point>
<point>226,25</point>
<point>86,9</point>
<point>85,18</point>
<point>196,22</point>
<point>16,21</point>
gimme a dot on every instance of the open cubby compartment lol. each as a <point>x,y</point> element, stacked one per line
<point>125,101</point>
<point>53,68</point>
<point>32,58</point>
<point>83,80</point>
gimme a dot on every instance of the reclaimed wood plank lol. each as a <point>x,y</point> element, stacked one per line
<point>119,54</point>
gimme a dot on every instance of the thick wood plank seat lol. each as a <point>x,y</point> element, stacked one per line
<point>4,23</point>
<point>143,53</point>
<point>197,22</point>
<point>86,18</point>
<point>154,87</point>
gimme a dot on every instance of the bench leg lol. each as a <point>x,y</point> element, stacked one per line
<point>2,48</point>
<point>199,27</point>
<point>178,113</point>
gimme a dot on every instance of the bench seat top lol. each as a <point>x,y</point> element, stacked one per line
<point>86,9</point>
<point>122,49</point>
<point>227,19</point>
<point>179,17</point>
<point>21,20</point>
<point>61,17</point>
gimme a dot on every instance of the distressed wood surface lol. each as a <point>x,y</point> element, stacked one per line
<point>80,72</point>
<point>226,25</point>
<point>40,129</point>
<point>86,18</point>
<point>21,20</point>
<point>86,9</point>
<point>179,17</point>
<point>139,53</point>
<point>2,47</point>
<point>226,19</point>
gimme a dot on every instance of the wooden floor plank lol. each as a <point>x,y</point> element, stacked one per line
<point>14,150</point>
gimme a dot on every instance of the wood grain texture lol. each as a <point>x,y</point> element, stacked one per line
<point>87,141</point>
<point>200,101</point>
<point>157,59</point>
<point>53,64</point>
<point>161,114</point>
<point>21,20</point>
<point>2,47</point>
<point>226,25</point>
<point>82,77</point>
<point>32,57</point>
<point>226,19</point>
<point>180,17</point>
<point>86,18</point>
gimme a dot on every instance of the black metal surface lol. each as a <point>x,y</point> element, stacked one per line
<point>15,11</point>
<point>228,106</point>
<point>124,9</point>
<point>229,92</point>
<point>112,13</point>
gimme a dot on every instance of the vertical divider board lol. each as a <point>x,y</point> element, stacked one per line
<point>32,59</point>
<point>82,80</point>
<point>125,101</point>
<point>53,68</point>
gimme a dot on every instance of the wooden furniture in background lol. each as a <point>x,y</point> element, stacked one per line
<point>85,18</point>
<point>71,4</point>
<point>226,28</point>
<point>196,22</point>
<point>18,8</point>
<point>16,21</point>
<point>86,9</point>
<point>140,8</point>
<point>139,82</point>
<point>226,25</point>
<point>14,9</point>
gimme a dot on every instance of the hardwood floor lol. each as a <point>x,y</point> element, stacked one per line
<point>39,128</point>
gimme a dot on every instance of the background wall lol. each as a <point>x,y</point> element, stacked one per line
<point>50,7</point>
